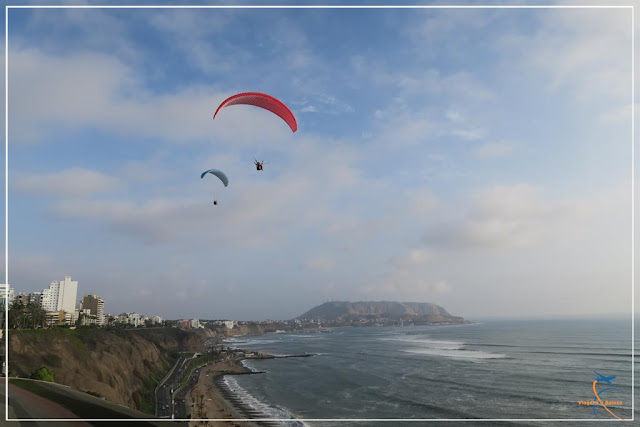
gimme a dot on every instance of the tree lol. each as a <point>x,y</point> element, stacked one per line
<point>26,316</point>
<point>43,374</point>
<point>80,321</point>
<point>37,315</point>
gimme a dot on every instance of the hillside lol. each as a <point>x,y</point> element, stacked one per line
<point>122,366</point>
<point>349,311</point>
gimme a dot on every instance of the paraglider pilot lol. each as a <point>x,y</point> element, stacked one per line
<point>258,165</point>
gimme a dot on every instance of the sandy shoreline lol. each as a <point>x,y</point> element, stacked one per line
<point>209,402</point>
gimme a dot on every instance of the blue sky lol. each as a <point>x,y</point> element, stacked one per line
<point>478,159</point>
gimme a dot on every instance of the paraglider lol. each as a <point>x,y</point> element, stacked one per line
<point>220,175</point>
<point>262,100</point>
<point>259,165</point>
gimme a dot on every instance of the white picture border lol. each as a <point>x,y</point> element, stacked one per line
<point>6,280</point>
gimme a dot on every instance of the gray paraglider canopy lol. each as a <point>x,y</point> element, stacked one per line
<point>217,173</point>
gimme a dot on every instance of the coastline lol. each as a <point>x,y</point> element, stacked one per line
<point>210,398</point>
<point>215,403</point>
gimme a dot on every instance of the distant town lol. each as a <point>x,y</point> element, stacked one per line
<point>58,306</point>
<point>62,308</point>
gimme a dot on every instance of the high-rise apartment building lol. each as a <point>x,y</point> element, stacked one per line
<point>67,294</point>
<point>95,305</point>
<point>49,297</point>
<point>60,296</point>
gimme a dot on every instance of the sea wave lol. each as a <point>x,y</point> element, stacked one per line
<point>255,342</point>
<point>255,408</point>
<point>422,344</point>
<point>244,363</point>
<point>456,354</point>
<point>438,344</point>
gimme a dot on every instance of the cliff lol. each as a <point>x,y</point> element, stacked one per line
<point>223,332</point>
<point>123,366</point>
<point>345,311</point>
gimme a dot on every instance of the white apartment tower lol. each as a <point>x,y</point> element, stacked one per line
<point>60,296</point>
<point>48,301</point>
<point>67,294</point>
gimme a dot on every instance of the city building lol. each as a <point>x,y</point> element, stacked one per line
<point>7,294</point>
<point>6,299</point>
<point>34,298</point>
<point>135,319</point>
<point>60,296</point>
<point>60,318</point>
<point>95,305</point>
<point>49,297</point>
<point>86,318</point>
<point>67,293</point>
<point>21,298</point>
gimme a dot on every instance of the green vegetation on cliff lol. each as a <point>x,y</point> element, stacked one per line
<point>43,374</point>
<point>120,365</point>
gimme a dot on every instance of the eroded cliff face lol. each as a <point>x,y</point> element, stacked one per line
<point>122,366</point>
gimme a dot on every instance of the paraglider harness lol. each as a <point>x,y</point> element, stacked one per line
<point>258,165</point>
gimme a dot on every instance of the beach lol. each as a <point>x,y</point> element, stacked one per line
<point>214,404</point>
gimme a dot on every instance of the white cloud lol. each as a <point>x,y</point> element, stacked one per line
<point>522,216</point>
<point>406,128</point>
<point>322,103</point>
<point>189,33</point>
<point>421,201</point>
<point>617,115</point>
<point>256,211</point>
<point>416,257</point>
<point>469,134</point>
<point>156,220</point>
<point>145,172</point>
<point>442,287</point>
<point>72,182</point>
<point>405,285</point>
<point>95,90</point>
<point>494,149</point>
<point>501,216</point>
<point>454,116</point>
<point>586,52</point>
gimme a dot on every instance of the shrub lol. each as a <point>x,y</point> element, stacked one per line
<point>43,374</point>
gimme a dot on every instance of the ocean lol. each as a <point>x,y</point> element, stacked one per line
<point>516,369</point>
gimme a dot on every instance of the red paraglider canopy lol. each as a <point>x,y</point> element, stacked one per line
<point>262,100</point>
